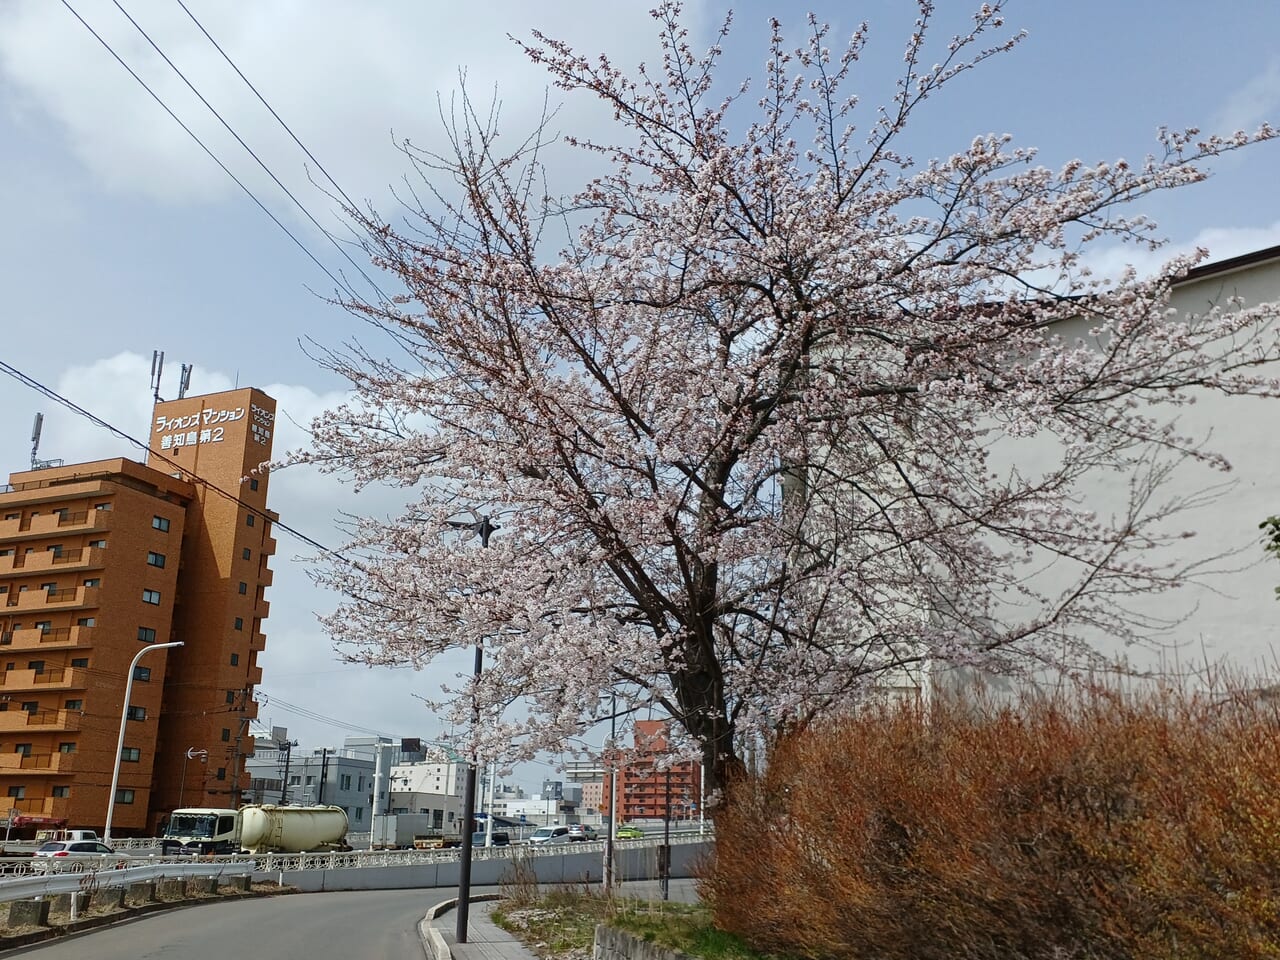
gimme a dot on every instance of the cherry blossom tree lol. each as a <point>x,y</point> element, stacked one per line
<point>737,408</point>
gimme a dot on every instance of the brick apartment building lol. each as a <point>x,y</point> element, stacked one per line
<point>98,559</point>
<point>649,789</point>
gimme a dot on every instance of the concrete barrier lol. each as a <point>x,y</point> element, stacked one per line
<point>111,898</point>
<point>242,884</point>
<point>199,886</point>
<point>62,902</point>
<point>144,892</point>
<point>29,913</point>
<point>172,888</point>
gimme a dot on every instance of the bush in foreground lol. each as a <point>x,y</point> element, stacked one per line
<point>1106,826</point>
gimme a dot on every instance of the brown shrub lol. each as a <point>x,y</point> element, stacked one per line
<point>1105,826</point>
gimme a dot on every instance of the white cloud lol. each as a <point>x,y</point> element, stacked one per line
<point>1258,100</point>
<point>342,75</point>
<point>1221,242</point>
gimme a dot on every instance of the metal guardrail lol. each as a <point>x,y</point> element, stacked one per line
<point>104,872</point>
<point>344,860</point>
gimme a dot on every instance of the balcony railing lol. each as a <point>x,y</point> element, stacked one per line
<point>61,596</point>
<point>67,518</point>
<point>49,676</point>
<point>37,761</point>
<point>68,556</point>
<point>56,635</point>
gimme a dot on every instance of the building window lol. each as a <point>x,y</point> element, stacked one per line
<point>239,623</point>
<point>56,549</point>
<point>12,516</point>
<point>231,696</point>
<point>235,659</point>
<point>147,634</point>
<point>44,626</point>
<point>344,781</point>
<point>124,796</point>
<point>102,506</point>
<point>137,713</point>
<point>79,662</point>
<point>142,673</point>
<point>359,814</point>
<point>222,773</point>
<point>151,596</point>
<point>131,754</point>
<point>226,735</point>
<point>36,665</point>
<point>253,483</point>
<point>62,791</point>
<point>244,588</point>
<point>246,553</point>
<point>311,781</point>
<point>73,705</point>
<point>93,582</point>
<point>87,622</point>
<point>155,559</point>
<point>249,520</point>
<point>100,544</point>
<point>160,523</point>
<point>17,793</point>
<point>22,748</point>
<point>31,706</point>
<point>67,746</point>
<point>295,780</point>
<point>49,586</point>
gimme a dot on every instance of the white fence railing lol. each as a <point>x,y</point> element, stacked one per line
<point>94,872</point>
<point>351,859</point>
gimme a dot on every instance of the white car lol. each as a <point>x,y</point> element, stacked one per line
<point>549,835</point>
<point>74,848</point>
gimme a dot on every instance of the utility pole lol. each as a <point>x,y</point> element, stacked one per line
<point>287,746</point>
<point>324,772</point>
<point>236,792</point>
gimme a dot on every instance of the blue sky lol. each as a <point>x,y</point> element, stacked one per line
<point>121,237</point>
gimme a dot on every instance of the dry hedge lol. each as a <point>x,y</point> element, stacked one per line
<point>1103,827</point>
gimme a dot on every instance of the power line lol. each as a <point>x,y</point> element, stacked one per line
<point>248,149</point>
<point>312,715</point>
<point>212,156</point>
<point>350,203</point>
<point>195,478</point>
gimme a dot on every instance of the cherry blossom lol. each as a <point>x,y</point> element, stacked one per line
<point>735,406</point>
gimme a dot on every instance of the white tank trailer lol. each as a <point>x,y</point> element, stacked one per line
<point>256,828</point>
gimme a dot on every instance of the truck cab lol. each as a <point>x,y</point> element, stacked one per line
<point>202,830</point>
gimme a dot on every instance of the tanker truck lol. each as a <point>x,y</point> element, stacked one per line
<point>256,828</point>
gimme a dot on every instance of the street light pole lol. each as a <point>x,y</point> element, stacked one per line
<point>484,530</point>
<point>124,719</point>
<point>192,753</point>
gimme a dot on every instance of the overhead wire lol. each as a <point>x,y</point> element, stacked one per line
<point>248,149</point>
<point>53,395</point>
<point>225,56</point>
<point>212,156</point>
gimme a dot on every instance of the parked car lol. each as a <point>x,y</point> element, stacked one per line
<point>628,832</point>
<point>549,835</point>
<point>74,848</point>
<point>500,838</point>
<point>580,831</point>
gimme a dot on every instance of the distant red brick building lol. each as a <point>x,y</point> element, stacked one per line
<point>651,789</point>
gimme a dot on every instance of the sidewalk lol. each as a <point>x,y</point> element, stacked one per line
<point>487,941</point>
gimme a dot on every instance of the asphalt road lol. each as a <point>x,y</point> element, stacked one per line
<point>370,924</point>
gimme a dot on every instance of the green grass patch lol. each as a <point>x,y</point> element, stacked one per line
<point>562,924</point>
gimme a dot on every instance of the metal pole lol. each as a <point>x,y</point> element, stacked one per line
<point>468,825</point>
<point>702,799</point>
<point>666,842</point>
<point>488,823</point>
<point>124,719</point>
<point>613,795</point>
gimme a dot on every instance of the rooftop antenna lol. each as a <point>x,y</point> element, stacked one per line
<point>36,463</point>
<point>157,368</point>
<point>184,380</point>
<point>36,427</point>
